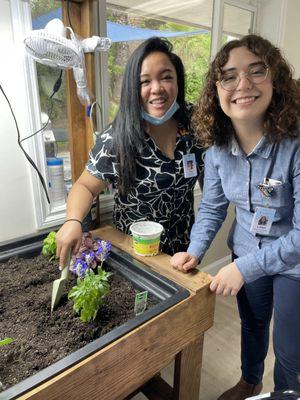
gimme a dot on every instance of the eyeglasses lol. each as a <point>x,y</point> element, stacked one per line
<point>256,74</point>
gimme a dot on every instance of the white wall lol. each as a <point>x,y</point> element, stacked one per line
<point>271,21</point>
<point>279,22</point>
<point>290,42</point>
<point>17,216</point>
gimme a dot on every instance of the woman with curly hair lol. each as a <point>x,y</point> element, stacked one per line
<point>248,117</point>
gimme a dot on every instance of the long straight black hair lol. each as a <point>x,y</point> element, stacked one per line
<point>128,126</point>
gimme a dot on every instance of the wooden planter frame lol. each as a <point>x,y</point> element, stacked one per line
<point>129,364</point>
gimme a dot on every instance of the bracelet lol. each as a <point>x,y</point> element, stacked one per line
<point>73,219</point>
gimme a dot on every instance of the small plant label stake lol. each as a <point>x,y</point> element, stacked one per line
<point>140,302</point>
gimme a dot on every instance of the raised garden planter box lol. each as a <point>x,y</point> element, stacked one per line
<point>130,357</point>
<point>162,291</point>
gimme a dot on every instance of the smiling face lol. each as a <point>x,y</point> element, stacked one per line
<point>158,84</point>
<point>249,101</point>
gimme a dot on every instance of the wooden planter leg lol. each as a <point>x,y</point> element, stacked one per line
<point>187,372</point>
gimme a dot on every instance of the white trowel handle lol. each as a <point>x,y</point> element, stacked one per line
<point>65,271</point>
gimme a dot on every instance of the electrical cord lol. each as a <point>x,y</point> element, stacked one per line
<point>57,84</point>
<point>24,151</point>
<point>55,89</point>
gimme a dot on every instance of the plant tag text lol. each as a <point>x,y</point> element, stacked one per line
<point>140,302</point>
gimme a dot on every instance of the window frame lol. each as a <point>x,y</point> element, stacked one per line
<point>218,18</point>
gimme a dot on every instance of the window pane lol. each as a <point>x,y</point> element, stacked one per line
<point>237,21</point>
<point>55,135</point>
<point>187,26</point>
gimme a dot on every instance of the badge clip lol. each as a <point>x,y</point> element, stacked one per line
<point>266,190</point>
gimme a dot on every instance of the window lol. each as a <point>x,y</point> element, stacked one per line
<point>187,25</point>
<point>237,21</point>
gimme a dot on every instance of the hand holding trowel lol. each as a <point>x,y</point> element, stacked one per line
<point>68,240</point>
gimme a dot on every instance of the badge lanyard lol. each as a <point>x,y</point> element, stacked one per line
<point>265,188</point>
<point>264,216</point>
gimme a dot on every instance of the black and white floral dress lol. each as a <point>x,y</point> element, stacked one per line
<point>161,192</point>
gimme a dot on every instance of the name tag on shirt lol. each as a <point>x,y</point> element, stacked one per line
<point>189,165</point>
<point>272,182</point>
<point>262,220</point>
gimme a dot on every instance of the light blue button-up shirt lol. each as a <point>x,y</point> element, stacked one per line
<point>232,176</point>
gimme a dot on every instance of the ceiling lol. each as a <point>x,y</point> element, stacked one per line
<point>194,13</point>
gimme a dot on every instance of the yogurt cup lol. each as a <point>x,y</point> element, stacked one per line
<point>146,237</point>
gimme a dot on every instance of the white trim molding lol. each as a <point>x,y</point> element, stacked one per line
<point>282,23</point>
<point>218,19</point>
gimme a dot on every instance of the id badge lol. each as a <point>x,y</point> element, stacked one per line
<point>189,165</point>
<point>262,220</point>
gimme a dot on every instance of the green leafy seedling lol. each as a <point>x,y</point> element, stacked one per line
<point>88,294</point>
<point>49,245</point>
<point>6,341</point>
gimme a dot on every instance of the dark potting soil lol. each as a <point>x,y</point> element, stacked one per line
<point>39,338</point>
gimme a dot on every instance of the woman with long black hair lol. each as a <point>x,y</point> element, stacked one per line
<point>144,153</point>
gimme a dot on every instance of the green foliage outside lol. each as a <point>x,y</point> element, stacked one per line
<point>49,246</point>
<point>194,52</point>
<point>40,7</point>
<point>88,294</point>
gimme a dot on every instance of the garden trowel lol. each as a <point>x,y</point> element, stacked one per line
<point>58,284</point>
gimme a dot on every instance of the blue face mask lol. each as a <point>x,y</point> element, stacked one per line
<point>161,120</point>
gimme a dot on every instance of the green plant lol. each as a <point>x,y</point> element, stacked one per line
<point>89,292</point>
<point>6,341</point>
<point>49,245</point>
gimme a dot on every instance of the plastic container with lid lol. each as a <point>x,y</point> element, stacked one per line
<point>146,237</point>
<point>57,189</point>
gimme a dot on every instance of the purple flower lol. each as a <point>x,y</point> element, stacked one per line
<point>103,250</point>
<point>79,267</point>
<point>91,253</point>
<point>106,246</point>
<point>90,259</point>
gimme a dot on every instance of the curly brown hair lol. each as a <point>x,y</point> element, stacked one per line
<point>213,126</point>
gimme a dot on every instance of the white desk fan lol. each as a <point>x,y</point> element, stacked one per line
<point>50,46</point>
